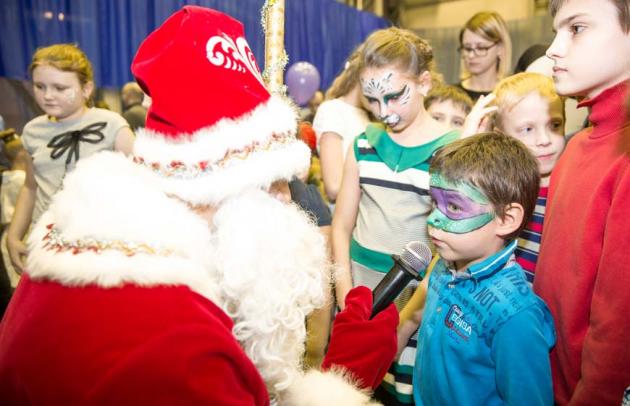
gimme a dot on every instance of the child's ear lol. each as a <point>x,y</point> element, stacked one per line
<point>495,125</point>
<point>511,221</point>
<point>425,82</point>
<point>87,90</point>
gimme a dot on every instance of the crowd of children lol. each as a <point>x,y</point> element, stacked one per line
<point>507,313</point>
<point>524,300</point>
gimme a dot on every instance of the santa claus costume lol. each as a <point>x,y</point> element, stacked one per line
<point>174,277</point>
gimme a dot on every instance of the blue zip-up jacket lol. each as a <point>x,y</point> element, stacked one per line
<point>485,337</point>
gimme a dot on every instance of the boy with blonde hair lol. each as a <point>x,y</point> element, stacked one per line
<point>530,110</point>
<point>583,270</point>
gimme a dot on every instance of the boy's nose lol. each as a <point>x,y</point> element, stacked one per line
<point>557,49</point>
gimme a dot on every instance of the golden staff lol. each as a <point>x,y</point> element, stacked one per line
<point>272,19</point>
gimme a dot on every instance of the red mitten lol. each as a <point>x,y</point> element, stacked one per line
<point>363,347</point>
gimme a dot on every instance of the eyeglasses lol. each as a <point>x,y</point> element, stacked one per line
<point>478,51</point>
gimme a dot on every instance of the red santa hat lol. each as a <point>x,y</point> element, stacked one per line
<point>213,129</point>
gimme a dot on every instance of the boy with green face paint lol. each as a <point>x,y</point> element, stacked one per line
<point>459,207</point>
<point>485,336</point>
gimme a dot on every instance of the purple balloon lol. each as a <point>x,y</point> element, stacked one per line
<point>302,82</point>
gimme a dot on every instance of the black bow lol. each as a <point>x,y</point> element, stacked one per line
<point>70,141</point>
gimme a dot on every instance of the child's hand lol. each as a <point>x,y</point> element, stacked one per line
<point>17,250</point>
<point>478,120</point>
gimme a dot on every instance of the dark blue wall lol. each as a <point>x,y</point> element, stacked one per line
<point>322,32</point>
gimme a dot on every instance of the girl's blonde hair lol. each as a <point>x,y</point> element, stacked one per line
<point>348,78</point>
<point>511,90</point>
<point>491,26</point>
<point>399,47</point>
<point>65,57</point>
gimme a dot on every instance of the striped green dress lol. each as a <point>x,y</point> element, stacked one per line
<point>393,209</point>
<point>394,202</point>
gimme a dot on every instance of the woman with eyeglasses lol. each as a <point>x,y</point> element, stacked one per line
<point>486,50</point>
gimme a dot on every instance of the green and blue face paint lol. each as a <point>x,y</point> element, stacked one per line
<point>459,207</point>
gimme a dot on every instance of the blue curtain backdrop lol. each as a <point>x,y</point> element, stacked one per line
<point>322,32</point>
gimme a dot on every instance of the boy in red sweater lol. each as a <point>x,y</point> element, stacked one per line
<point>583,270</point>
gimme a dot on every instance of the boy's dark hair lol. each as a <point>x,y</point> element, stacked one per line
<point>449,92</point>
<point>623,11</point>
<point>529,56</point>
<point>500,165</point>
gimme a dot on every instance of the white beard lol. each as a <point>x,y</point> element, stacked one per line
<point>271,266</point>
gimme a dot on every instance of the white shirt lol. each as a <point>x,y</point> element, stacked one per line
<point>341,118</point>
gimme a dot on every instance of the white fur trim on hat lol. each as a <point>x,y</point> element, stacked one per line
<point>252,151</point>
<point>108,198</point>
<point>328,388</point>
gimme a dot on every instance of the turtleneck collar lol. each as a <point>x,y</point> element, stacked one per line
<point>608,110</point>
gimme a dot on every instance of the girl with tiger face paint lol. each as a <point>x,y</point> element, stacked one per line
<point>397,74</point>
<point>391,95</point>
<point>384,201</point>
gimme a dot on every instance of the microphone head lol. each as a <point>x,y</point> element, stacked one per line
<point>417,255</point>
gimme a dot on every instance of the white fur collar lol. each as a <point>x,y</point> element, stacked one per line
<point>109,198</point>
<point>328,388</point>
<point>211,144</point>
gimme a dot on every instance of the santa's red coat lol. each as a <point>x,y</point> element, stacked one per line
<point>62,345</point>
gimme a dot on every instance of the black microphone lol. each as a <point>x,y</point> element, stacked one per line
<point>414,259</point>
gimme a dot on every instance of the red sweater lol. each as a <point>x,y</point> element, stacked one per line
<point>583,271</point>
